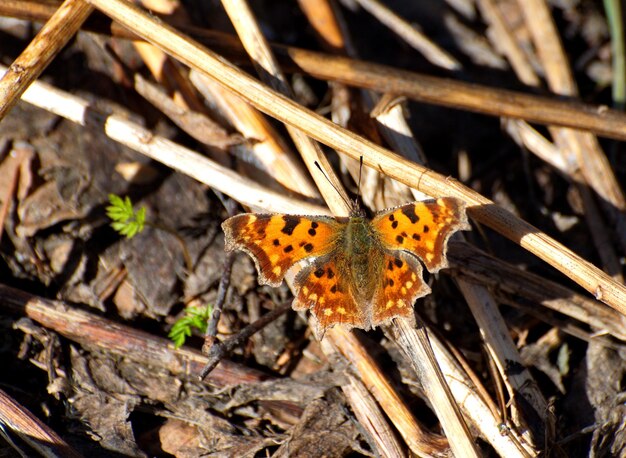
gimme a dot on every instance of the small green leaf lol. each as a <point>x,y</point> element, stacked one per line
<point>116,201</point>
<point>195,317</point>
<point>124,218</point>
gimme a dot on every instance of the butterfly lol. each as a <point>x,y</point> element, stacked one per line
<point>360,272</point>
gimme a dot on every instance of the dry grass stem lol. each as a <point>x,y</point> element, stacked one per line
<point>504,41</point>
<point>244,190</point>
<point>509,282</point>
<point>480,412</point>
<point>410,34</point>
<point>371,416</point>
<point>20,422</point>
<point>457,94</point>
<point>270,72</point>
<point>526,135</point>
<point>584,147</point>
<point>570,144</point>
<point>417,344</point>
<point>416,436</point>
<point>62,26</point>
<point>265,147</point>
<point>197,124</point>
<point>440,91</point>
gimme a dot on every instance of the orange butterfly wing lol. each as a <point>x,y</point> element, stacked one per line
<point>422,228</point>
<point>276,242</point>
<point>323,290</point>
<point>402,284</point>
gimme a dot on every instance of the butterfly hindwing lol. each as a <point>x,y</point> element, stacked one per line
<point>276,242</point>
<point>401,284</point>
<point>422,228</point>
<point>322,290</point>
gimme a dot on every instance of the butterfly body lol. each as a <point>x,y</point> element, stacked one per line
<point>361,256</point>
<point>360,272</point>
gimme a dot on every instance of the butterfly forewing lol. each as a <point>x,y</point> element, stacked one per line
<point>277,242</point>
<point>422,228</point>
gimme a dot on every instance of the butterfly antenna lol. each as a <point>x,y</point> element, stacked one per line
<point>332,184</point>
<point>358,188</point>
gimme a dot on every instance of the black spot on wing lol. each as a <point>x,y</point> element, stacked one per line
<point>417,237</point>
<point>290,224</point>
<point>312,232</point>
<point>394,224</point>
<point>331,274</point>
<point>319,273</point>
<point>288,249</point>
<point>308,247</point>
<point>409,212</point>
<point>426,228</point>
<point>276,242</point>
<point>398,262</point>
<point>400,239</point>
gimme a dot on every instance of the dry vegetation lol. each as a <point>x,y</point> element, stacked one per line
<point>519,351</point>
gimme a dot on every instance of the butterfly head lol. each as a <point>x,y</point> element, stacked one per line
<point>356,210</point>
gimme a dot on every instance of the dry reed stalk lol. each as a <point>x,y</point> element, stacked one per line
<point>62,26</point>
<point>476,409</point>
<point>410,34</point>
<point>557,71</point>
<point>177,157</point>
<point>267,149</point>
<point>267,67</point>
<point>96,332</point>
<point>365,407</point>
<point>568,141</point>
<point>503,40</point>
<point>20,422</point>
<point>600,120</point>
<point>507,282</point>
<point>167,75</point>
<point>583,148</point>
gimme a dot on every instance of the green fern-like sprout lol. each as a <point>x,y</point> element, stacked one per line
<point>126,220</point>
<point>195,317</point>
